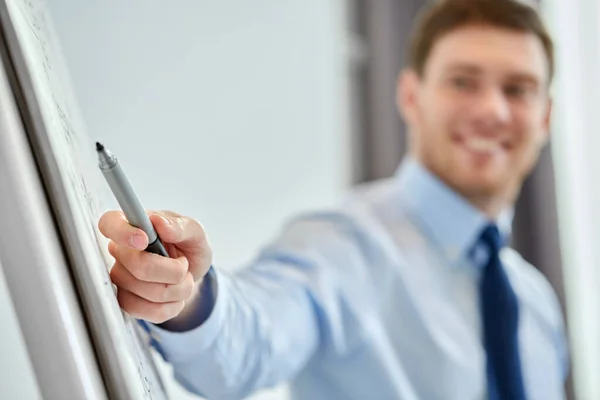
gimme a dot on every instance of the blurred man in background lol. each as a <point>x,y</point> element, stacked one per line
<point>408,290</point>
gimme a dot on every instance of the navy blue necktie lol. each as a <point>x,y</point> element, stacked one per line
<point>500,322</point>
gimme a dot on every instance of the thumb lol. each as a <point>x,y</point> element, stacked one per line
<point>188,236</point>
<point>162,226</point>
<point>177,229</point>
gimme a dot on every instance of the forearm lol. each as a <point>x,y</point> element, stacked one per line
<point>260,333</point>
<point>269,319</point>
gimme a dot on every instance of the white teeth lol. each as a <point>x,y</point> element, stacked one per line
<point>482,145</point>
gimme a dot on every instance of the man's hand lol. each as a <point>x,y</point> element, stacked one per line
<point>152,287</point>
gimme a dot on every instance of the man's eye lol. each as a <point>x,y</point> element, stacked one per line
<point>515,90</point>
<point>462,82</point>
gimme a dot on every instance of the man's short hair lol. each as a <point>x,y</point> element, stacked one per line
<point>443,16</point>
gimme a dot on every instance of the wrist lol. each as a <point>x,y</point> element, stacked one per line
<point>197,308</point>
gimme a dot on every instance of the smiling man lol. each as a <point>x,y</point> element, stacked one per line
<point>476,101</point>
<point>408,290</point>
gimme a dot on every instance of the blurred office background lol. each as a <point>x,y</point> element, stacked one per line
<point>241,114</point>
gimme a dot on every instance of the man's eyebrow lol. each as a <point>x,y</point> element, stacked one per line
<point>524,77</point>
<point>514,76</point>
<point>464,67</point>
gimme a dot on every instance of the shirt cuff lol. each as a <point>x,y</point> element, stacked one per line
<point>181,346</point>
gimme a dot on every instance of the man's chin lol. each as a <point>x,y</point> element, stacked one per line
<point>481,183</point>
<point>487,180</point>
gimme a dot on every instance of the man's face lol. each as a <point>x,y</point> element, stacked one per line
<point>479,114</point>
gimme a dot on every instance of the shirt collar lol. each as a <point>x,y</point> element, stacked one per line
<point>452,222</point>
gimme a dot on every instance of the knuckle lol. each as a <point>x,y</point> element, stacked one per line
<point>208,253</point>
<point>126,302</point>
<point>113,248</point>
<point>162,313</point>
<point>208,248</point>
<point>201,230</point>
<point>138,268</point>
<point>162,293</point>
<point>181,268</point>
<point>115,275</point>
<point>203,238</point>
<point>152,292</point>
<point>178,225</point>
<point>189,286</point>
<point>143,273</point>
<point>166,213</point>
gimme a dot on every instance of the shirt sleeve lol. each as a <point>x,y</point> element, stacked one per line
<point>270,318</point>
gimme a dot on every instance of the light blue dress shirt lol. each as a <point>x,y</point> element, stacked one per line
<point>375,300</point>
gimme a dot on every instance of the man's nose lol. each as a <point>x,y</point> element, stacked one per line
<point>492,108</point>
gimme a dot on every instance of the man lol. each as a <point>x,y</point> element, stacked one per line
<point>408,291</point>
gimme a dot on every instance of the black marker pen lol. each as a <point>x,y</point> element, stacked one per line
<point>130,204</point>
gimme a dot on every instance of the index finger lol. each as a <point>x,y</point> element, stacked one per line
<point>115,226</point>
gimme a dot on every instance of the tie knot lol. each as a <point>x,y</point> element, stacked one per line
<point>491,237</point>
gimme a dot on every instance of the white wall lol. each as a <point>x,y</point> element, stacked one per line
<point>574,25</point>
<point>228,111</point>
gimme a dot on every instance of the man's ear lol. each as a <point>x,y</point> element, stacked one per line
<point>406,95</point>
<point>548,120</point>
